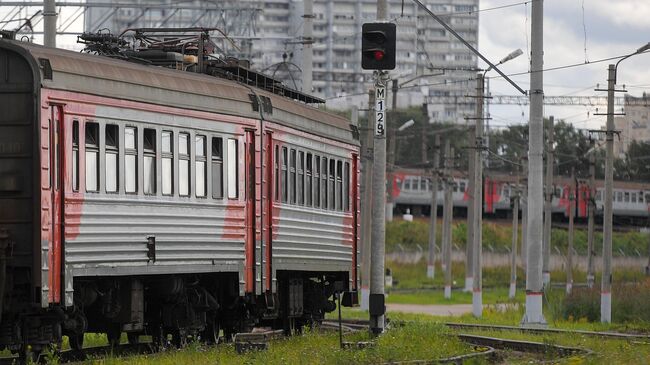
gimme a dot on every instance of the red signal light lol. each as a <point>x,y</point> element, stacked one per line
<point>379,55</point>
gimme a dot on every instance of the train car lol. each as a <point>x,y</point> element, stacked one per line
<point>147,200</point>
<point>631,203</point>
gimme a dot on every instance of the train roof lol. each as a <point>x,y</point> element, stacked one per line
<point>98,75</point>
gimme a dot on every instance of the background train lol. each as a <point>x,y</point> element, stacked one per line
<point>150,200</point>
<point>412,190</point>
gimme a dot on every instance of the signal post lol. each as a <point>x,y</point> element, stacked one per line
<point>378,53</point>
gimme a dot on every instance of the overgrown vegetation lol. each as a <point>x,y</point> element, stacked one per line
<point>411,234</point>
<point>416,341</point>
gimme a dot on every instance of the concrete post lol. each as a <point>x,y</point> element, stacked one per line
<point>534,284</point>
<point>606,282</point>
<point>448,216</point>
<point>548,203</point>
<point>433,219</point>
<point>49,23</point>
<point>469,243</point>
<point>569,254</point>
<point>477,284</point>
<point>307,46</point>
<point>524,214</point>
<point>591,207</point>
<point>513,250</point>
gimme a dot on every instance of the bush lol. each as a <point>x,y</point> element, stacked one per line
<point>629,303</point>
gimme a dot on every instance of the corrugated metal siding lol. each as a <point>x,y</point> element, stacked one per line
<point>113,232</point>
<point>308,234</point>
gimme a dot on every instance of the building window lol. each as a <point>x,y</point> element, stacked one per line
<point>183,164</point>
<point>92,157</point>
<point>292,176</point>
<point>308,180</point>
<point>112,151</point>
<point>75,155</point>
<point>217,167</point>
<point>200,166</point>
<point>300,189</point>
<point>149,145</point>
<point>233,178</point>
<point>317,182</point>
<point>285,178</point>
<point>346,187</point>
<point>167,163</point>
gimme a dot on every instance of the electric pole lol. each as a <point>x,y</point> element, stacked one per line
<point>569,254</point>
<point>591,207</point>
<point>548,203</point>
<point>534,284</point>
<point>469,243</point>
<point>477,285</point>
<point>447,216</point>
<point>49,23</point>
<point>377,293</point>
<point>433,219</point>
<point>524,214</point>
<point>367,143</point>
<point>307,46</point>
<point>606,281</point>
<point>513,252</point>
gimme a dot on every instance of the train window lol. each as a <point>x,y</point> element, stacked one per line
<point>455,187</point>
<point>640,197</point>
<point>626,197</point>
<point>233,178</point>
<point>92,157</point>
<point>330,185</point>
<point>346,187</point>
<point>277,173</point>
<point>339,185</point>
<point>200,165</point>
<point>75,155</point>
<point>633,197</point>
<point>323,183</point>
<point>217,168</point>
<point>647,198</point>
<point>167,163</point>
<point>292,176</point>
<point>317,182</point>
<point>599,195</point>
<point>308,179</point>
<point>300,189</point>
<point>183,164</point>
<point>407,184</point>
<point>130,160</point>
<point>149,147</point>
<point>462,188</point>
<point>285,176</point>
<point>111,157</point>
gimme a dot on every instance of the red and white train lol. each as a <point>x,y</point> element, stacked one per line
<point>148,200</point>
<point>412,190</point>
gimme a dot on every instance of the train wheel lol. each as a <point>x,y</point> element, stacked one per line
<point>179,338</point>
<point>211,333</point>
<point>114,334</point>
<point>76,341</point>
<point>133,337</point>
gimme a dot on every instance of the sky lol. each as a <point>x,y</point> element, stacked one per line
<point>575,32</point>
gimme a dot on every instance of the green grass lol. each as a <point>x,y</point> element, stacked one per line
<point>416,341</point>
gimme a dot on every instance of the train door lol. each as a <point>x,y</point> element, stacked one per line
<point>57,138</point>
<point>251,210</point>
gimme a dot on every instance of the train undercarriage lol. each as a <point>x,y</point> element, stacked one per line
<point>171,309</point>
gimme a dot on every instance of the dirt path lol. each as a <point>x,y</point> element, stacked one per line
<point>453,310</point>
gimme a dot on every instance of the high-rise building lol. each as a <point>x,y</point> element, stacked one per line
<point>430,61</point>
<point>634,125</point>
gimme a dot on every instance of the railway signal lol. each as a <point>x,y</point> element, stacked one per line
<point>378,46</point>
